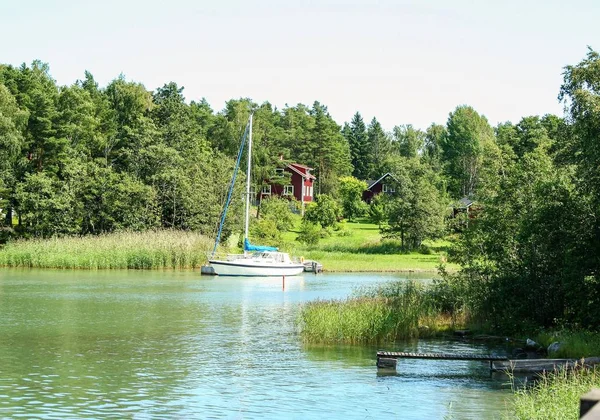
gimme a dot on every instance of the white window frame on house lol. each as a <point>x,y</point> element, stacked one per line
<point>288,190</point>
<point>266,189</point>
<point>279,172</point>
<point>387,188</point>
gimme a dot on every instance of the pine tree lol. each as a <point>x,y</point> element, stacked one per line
<point>358,142</point>
<point>379,147</point>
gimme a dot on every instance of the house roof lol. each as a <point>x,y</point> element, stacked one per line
<point>292,166</point>
<point>301,166</point>
<point>465,203</point>
<point>370,183</point>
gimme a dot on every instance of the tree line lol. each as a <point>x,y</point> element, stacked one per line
<point>82,159</point>
<point>85,159</point>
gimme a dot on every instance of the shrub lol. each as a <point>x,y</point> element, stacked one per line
<point>325,211</point>
<point>310,233</point>
<point>351,190</point>
<point>377,210</point>
<point>279,210</point>
<point>266,232</point>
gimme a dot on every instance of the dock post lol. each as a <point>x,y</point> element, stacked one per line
<point>386,363</point>
<point>283,284</point>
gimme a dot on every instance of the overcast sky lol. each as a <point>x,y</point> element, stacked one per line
<point>403,62</point>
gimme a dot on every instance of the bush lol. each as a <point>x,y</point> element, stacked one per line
<point>266,232</point>
<point>342,229</point>
<point>351,190</point>
<point>377,210</point>
<point>310,233</point>
<point>325,211</point>
<point>424,249</point>
<point>6,234</point>
<point>279,210</point>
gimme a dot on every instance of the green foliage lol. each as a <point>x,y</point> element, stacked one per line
<point>358,247</point>
<point>324,211</point>
<point>265,232</point>
<point>432,150</point>
<point>48,207</point>
<point>468,150</point>
<point>356,135</point>
<point>417,208</point>
<point>310,233</point>
<point>330,150</point>
<point>279,210</point>
<point>408,140</point>
<point>523,259</point>
<point>377,209</point>
<point>351,190</point>
<point>379,148</point>
<point>124,157</point>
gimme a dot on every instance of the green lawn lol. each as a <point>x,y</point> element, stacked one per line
<point>359,247</point>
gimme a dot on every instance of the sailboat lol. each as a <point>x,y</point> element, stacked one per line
<point>256,260</point>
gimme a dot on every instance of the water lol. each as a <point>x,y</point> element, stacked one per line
<point>168,344</point>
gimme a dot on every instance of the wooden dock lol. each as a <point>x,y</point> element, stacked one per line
<point>311,266</point>
<point>387,359</point>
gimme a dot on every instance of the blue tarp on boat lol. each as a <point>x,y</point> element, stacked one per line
<point>257,248</point>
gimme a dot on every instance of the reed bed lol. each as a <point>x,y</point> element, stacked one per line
<point>387,313</point>
<point>554,395</point>
<point>160,249</point>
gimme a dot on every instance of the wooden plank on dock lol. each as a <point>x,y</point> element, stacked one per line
<point>543,365</point>
<point>439,356</point>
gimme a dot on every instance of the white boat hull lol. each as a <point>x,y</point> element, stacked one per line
<point>255,268</point>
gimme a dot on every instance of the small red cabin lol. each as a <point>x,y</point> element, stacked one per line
<point>385,184</point>
<point>300,185</point>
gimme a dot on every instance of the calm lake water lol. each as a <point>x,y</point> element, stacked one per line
<point>130,344</point>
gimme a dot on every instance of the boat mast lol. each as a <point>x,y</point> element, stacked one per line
<point>248,179</point>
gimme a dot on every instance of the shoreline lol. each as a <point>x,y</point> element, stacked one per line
<point>401,271</point>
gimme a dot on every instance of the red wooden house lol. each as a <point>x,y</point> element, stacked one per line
<point>385,184</point>
<point>297,183</point>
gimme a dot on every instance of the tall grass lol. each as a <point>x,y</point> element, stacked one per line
<point>554,395</point>
<point>390,312</point>
<point>134,250</point>
<point>573,344</point>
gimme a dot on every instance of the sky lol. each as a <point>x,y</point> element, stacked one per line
<point>402,62</point>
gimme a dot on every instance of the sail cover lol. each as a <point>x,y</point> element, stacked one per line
<point>257,248</point>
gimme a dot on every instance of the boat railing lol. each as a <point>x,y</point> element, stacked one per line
<point>226,257</point>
